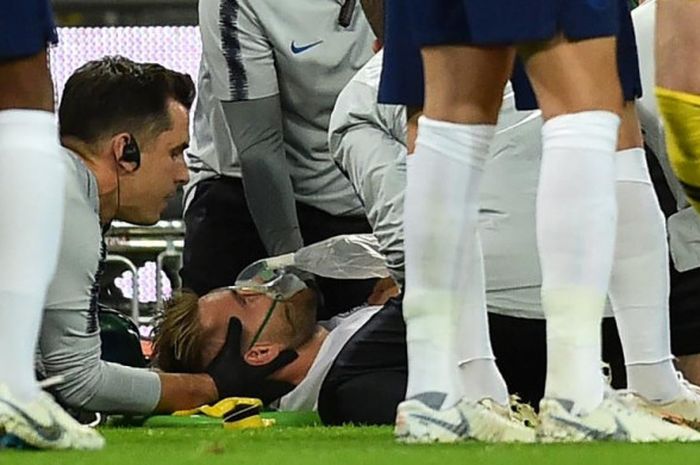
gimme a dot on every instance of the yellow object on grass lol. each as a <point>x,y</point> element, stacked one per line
<point>254,421</point>
<point>221,408</point>
<point>681,113</point>
<point>236,413</point>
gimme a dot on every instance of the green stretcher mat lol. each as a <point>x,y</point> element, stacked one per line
<point>285,419</point>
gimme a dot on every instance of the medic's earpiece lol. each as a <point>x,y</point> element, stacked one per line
<point>131,152</point>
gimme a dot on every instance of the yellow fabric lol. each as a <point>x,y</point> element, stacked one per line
<point>250,422</point>
<point>221,408</point>
<point>224,406</point>
<point>681,113</point>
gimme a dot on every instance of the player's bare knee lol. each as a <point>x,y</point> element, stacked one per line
<point>461,112</point>
<point>456,91</point>
<point>571,77</point>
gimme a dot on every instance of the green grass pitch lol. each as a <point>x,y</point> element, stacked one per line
<point>212,445</point>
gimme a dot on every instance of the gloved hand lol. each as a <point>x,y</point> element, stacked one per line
<point>235,378</point>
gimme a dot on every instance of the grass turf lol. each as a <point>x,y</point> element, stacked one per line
<point>209,444</point>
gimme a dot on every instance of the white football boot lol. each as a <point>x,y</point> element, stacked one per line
<point>685,408</point>
<point>485,420</point>
<point>613,420</point>
<point>42,423</point>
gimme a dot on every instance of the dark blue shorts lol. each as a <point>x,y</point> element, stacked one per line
<point>627,66</point>
<point>26,27</point>
<point>402,73</point>
<point>507,22</point>
<point>402,69</point>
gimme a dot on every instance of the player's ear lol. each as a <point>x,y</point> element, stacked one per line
<point>262,353</point>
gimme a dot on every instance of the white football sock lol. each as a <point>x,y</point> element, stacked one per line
<point>639,285</point>
<point>480,375</point>
<point>440,215</point>
<point>576,235</point>
<point>32,187</point>
<point>657,382</point>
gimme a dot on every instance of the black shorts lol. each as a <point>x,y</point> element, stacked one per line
<point>685,312</point>
<point>369,376</point>
<point>221,239</point>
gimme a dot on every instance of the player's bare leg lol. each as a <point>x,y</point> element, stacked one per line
<point>579,92</point>
<point>464,88</point>
<point>640,285</point>
<point>580,96</point>
<point>678,45</point>
<point>26,111</point>
<point>689,365</point>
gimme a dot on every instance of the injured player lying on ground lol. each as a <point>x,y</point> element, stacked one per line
<point>351,369</point>
<point>278,317</point>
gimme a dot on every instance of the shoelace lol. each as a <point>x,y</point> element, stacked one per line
<point>52,381</point>
<point>522,412</point>
<point>607,373</point>
<point>494,429</point>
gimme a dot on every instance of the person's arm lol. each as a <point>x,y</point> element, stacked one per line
<point>241,62</point>
<point>367,143</point>
<point>70,347</point>
<point>684,224</point>
<point>71,351</point>
<point>644,20</point>
<point>185,391</point>
<point>256,128</point>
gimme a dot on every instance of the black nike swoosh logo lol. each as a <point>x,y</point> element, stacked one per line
<point>297,49</point>
<point>461,429</point>
<point>49,433</point>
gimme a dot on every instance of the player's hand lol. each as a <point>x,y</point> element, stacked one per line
<point>236,378</point>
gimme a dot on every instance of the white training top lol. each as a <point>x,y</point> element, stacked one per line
<point>684,225</point>
<point>367,140</point>
<point>69,343</point>
<point>253,49</point>
<point>341,328</point>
